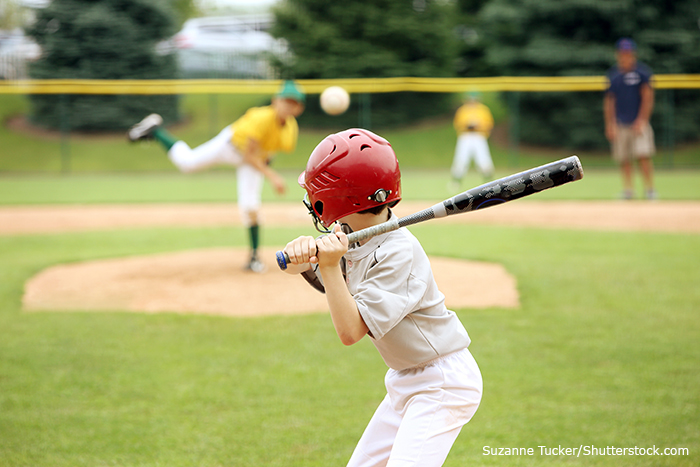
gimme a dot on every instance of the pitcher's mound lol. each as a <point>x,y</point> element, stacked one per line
<point>213,281</point>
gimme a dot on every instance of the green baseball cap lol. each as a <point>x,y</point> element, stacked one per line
<point>290,90</point>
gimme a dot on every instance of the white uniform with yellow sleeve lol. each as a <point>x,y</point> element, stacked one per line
<point>259,124</point>
<point>473,123</point>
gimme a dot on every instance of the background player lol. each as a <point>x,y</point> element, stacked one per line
<point>473,123</point>
<point>628,105</point>
<point>248,144</point>
<point>384,288</point>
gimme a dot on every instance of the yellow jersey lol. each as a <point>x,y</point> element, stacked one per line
<point>261,124</point>
<point>473,116</point>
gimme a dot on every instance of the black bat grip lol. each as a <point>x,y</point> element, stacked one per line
<point>353,237</point>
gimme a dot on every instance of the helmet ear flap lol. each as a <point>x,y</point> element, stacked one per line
<point>318,207</point>
<point>315,212</point>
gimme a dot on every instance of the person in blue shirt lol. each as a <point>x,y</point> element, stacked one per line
<point>628,104</point>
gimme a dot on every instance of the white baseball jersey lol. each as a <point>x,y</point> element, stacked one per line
<point>392,283</point>
<point>433,384</point>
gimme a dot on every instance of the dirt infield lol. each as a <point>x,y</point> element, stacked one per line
<point>212,281</point>
<point>600,215</point>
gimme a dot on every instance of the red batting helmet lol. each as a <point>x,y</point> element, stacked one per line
<point>349,172</point>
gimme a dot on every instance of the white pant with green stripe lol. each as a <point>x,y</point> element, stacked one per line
<point>221,151</point>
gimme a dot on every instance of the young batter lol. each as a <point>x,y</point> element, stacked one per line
<point>248,144</point>
<point>384,288</point>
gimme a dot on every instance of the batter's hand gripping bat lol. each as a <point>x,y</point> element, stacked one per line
<point>489,194</point>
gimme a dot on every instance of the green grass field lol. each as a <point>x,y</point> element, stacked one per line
<point>598,184</point>
<point>604,350</point>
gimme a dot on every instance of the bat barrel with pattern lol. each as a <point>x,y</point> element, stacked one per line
<point>489,194</point>
<point>512,187</point>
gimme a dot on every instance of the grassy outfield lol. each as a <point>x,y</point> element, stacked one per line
<point>429,145</point>
<point>107,169</point>
<point>604,351</point>
<point>417,184</point>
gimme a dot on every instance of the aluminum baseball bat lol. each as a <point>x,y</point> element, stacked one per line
<point>489,194</point>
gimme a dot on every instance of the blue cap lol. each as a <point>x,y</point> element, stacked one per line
<point>625,45</point>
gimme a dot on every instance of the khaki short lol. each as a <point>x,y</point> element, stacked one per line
<point>630,145</point>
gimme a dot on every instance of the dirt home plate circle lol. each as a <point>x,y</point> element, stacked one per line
<point>335,100</point>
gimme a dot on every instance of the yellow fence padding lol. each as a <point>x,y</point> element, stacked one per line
<point>359,85</point>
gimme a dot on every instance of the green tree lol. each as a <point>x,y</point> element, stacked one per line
<point>103,39</point>
<point>370,39</point>
<point>472,41</point>
<point>12,14</point>
<point>184,10</point>
<point>576,37</point>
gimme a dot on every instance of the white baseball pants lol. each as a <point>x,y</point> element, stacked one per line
<point>220,151</point>
<point>470,146</point>
<point>423,412</point>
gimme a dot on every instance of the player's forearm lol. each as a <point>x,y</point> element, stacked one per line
<point>297,268</point>
<point>254,155</point>
<point>647,104</point>
<point>269,173</point>
<point>346,318</point>
<point>254,158</point>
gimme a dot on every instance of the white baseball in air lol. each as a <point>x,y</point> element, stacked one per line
<point>335,100</point>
